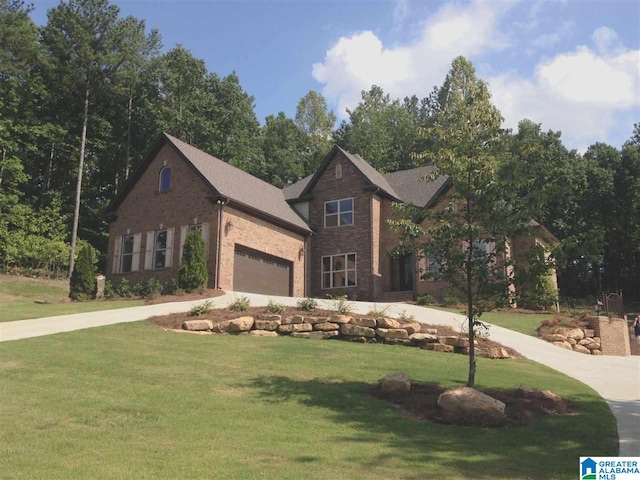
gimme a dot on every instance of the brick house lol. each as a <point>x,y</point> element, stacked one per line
<point>324,235</point>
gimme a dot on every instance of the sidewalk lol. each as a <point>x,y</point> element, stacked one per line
<point>616,379</point>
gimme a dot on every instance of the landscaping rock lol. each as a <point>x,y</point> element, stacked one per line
<point>431,331</point>
<point>390,333</point>
<point>455,341</point>
<point>468,401</point>
<point>581,349</point>
<point>576,334</point>
<point>270,325</point>
<point>395,383</point>
<point>543,330</point>
<point>363,322</point>
<point>412,328</point>
<point>197,325</point>
<point>292,320</point>
<point>301,334</point>
<point>564,345</point>
<point>326,327</point>
<point>589,333</point>
<point>493,352</point>
<point>572,341</point>
<point>295,327</point>
<point>387,323</point>
<point>586,341</point>
<point>356,331</point>
<point>564,331</point>
<point>398,341</point>
<point>314,320</point>
<point>422,338</point>
<point>593,346</point>
<point>269,316</point>
<point>554,337</point>
<point>438,347</point>
<point>241,324</point>
<point>596,352</point>
<point>340,319</point>
<point>221,327</point>
<point>263,333</point>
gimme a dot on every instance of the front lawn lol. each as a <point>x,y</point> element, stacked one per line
<point>18,296</point>
<point>133,401</point>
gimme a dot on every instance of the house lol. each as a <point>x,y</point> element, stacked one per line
<point>324,235</point>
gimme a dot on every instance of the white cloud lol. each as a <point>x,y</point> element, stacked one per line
<point>583,92</point>
<point>548,40</point>
<point>356,62</point>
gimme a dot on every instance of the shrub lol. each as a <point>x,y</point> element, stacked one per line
<point>193,269</point>
<point>201,308</point>
<point>426,299</point>
<point>542,296</point>
<point>376,312</point>
<point>275,307</point>
<point>124,288</point>
<point>173,287</point>
<point>406,317</point>
<point>109,291</point>
<point>307,304</point>
<point>83,283</point>
<point>451,299</point>
<point>240,304</point>
<point>341,306</point>
<point>149,289</point>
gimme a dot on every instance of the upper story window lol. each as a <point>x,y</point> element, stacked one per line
<point>338,213</point>
<point>165,179</point>
<point>126,258</point>
<point>160,249</point>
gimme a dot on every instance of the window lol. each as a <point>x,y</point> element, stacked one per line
<point>338,213</point>
<point>126,260</point>
<point>196,228</point>
<point>435,262</point>
<point>486,249</point>
<point>160,250</point>
<point>339,271</point>
<point>165,179</point>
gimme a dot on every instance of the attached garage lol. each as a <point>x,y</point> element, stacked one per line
<point>258,272</point>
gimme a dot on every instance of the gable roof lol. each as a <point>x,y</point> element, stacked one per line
<point>371,174</point>
<point>294,190</point>
<point>413,189</point>
<point>226,180</point>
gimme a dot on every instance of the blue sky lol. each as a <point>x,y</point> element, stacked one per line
<point>572,65</point>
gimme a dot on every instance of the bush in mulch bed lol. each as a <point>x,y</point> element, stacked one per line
<point>523,405</point>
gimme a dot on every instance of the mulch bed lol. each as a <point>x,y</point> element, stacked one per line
<point>523,405</point>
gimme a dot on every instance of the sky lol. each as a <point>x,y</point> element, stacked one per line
<point>571,65</point>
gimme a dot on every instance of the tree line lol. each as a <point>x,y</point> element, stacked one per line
<point>83,97</point>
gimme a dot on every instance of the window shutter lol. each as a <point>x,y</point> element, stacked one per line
<point>148,252</point>
<point>117,248</point>
<point>168,259</point>
<point>135,258</point>
<point>184,229</point>
<point>205,238</point>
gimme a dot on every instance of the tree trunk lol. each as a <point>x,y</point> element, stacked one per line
<point>76,212</point>
<point>472,351</point>
<point>46,181</point>
<point>4,157</point>
<point>129,115</point>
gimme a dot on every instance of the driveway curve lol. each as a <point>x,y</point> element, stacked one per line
<point>616,379</point>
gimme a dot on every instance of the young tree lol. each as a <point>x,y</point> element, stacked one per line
<point>467,147</point>
<point>193,273</point>
<point>83,282</point>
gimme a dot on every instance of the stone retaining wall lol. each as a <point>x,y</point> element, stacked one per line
<point>343,327</point>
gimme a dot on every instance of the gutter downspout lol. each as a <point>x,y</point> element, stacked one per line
<point>221,203</point>
<point>307,265</point>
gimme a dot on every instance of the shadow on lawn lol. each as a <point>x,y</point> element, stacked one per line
<point>548,450</point>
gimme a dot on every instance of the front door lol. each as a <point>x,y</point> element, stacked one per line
<point>406,272</point>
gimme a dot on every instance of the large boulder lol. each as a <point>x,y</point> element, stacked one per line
<point>242,324</point>
<point>197,325</point>
<point>387,323</point>
<point>263,333</point>
<point>293,319</point>
<point>363,322</point>
<point>412,328</point>
<point>270,325</point>
<point>576,334</point>
<point>564,344</point>
<point>314,320</point>
<point>581,349</point>
<point>395,383</point>
<point>422,338</point>
<point>554,337</point>
<point>466,401</point>
<point>456,341</point>
<point>295,327</point>
<point>356,331</point>
<point>318,335</point>
<point>391,333</point>
<point>326,327</point>
<point>339,319</point>
<point>438,347</point>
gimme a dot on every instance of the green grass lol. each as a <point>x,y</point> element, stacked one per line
<point>132,401</point>
<point>520,322</point>
<point>18,296</point>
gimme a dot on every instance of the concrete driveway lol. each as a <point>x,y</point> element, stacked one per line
<point>616,379</point>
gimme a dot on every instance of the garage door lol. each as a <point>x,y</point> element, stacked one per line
<point>258,272</point>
